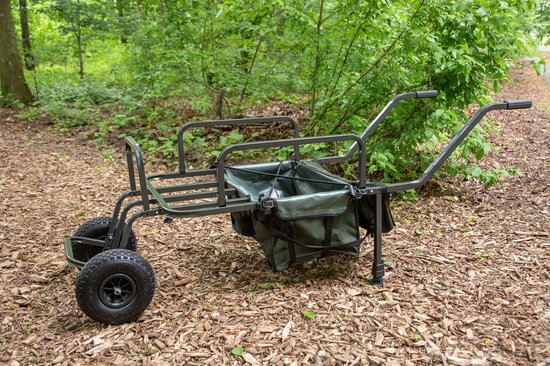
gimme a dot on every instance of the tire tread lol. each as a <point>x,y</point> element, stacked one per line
<point>86,276</point>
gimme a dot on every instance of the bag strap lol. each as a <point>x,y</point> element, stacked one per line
<point>291,246</point>
<point>279,235</point>
<point>329,220</point>
<point>275,180</point>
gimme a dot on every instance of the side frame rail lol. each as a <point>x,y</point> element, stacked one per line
<point>134,151</point>
<point>233,122</point>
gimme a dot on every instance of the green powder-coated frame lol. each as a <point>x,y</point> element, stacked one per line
<point>181,200</point>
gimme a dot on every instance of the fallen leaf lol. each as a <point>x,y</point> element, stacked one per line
<point>286,330</point>
<point>184,281</point>
<point>250,359</point>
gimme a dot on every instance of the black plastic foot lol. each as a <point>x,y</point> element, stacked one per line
<point>376,281</point>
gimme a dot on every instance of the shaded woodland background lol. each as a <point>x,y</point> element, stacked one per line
<point>144,68</point>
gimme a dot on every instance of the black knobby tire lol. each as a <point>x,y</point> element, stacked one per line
<point>115,286</point>
<point>96,228</point>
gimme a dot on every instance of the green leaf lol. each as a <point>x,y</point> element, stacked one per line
<point>388,262</point>
<point>480,153</point>
<point>237,351</point>
<point>416,337</point>
<point>539,65</point>
<point>308,314</point>
<point>164,127</point>
<point>476,171</point>
<point>267,286</point>
<point>188,137</point>
<point>235,136</point>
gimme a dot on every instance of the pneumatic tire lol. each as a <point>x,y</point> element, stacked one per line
<point>115,286</point>
<point>97,228</point>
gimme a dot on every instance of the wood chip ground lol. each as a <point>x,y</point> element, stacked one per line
<point>467,283</point>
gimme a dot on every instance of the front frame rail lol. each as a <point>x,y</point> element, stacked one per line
<point>281,143</point>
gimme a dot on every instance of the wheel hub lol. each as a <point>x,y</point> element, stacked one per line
<point>117,291</point>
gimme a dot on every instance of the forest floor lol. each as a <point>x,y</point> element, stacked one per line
<point>467,281</point>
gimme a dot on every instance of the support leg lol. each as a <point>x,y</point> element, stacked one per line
<point>116,214</point>
<point>123,231</point>
<point>377,264</point>
<point>113,241</point>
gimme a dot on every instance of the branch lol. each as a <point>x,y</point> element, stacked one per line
<point>383,55</point>
<point>348,50</point>
<point>380,58</point>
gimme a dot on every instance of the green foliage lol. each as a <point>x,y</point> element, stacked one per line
<point>489,176</point>
<point>237,351</point>
<point>267,286</point>
<point>79,94</point>
<point>308,314</point>
<point>10,102</point>
<point>543,15</point>
<point>150,69</point>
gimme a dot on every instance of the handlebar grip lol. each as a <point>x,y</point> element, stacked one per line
<point>518,104</point>
<point>427,94</point>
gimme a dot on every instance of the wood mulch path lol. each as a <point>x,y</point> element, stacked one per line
<point>467,281</point>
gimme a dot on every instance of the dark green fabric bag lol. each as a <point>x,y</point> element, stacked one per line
<point>314,213</point>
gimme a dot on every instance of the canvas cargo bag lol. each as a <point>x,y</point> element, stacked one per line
<point>311,213</point>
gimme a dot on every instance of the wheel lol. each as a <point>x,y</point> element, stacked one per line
<point>115,286</point>
<point>97,228</point>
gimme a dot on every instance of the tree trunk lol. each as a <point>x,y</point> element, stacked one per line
<point>11,67</point>
<point>30,62</point>
<point>317,61</point>
<point>80,49</point>
<point>219,104</point>
<point>120,12</point>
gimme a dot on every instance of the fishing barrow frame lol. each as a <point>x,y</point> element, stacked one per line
<point>115,284</point>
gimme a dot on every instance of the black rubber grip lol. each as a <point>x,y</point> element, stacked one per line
<point>519,104</point>
<point>427,94</point>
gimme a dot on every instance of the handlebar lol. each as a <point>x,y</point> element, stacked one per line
<point>518,104</point>
<point>427,94</point>
<point>456,141</point>
<point>379,118</point>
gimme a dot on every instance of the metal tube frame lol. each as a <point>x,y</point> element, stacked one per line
<point>120,227</point>
<point>234,122</point>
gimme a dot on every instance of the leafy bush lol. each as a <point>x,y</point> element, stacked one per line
<point>349,59</point>
<point>160,64</point>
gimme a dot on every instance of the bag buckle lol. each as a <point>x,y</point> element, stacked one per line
<point>266,203</point>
